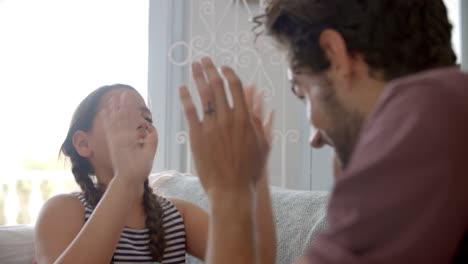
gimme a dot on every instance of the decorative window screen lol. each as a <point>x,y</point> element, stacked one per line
<point>222,30</point>
<point>182,31</point>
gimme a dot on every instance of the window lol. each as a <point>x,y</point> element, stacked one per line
<point>52,54</point>
<point>454,13</point>
<point>221,29</point>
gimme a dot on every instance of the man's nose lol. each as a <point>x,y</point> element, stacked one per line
<point>316,139</point>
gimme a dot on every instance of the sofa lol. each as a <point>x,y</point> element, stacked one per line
<point>300,215</point>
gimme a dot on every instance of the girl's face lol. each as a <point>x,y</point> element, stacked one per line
<point>143,125</point>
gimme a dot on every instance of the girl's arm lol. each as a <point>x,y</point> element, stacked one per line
<point>62,237</point>
<point>196,227</point>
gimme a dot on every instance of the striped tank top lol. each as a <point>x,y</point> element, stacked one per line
<point>133,243</point>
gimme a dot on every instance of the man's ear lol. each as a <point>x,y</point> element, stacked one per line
<point>334,46</point>
<point>81,144</point>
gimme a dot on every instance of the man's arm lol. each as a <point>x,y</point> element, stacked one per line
<point>265,225</point>
<point>230,152</point>
<point>231,237</point>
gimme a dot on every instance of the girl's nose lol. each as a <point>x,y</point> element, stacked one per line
<point>143,129</point>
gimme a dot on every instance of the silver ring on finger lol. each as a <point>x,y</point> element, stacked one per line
<point>210,110</point>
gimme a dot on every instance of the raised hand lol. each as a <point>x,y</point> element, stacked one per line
<point>256,105</point>
<point>228,144</point>
<point>130,139</point>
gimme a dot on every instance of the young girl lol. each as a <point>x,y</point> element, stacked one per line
<point>111,144</point>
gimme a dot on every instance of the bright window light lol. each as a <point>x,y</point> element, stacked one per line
<point>454,12</point>
<point>52,54</point>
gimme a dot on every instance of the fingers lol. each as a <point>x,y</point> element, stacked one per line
<point>216,85</point>
<point>125,115</point>
<point>249,97</point>
<point>337,167</point>
<point>210,86</point>
<point>258,112</point>
<point>119,121</point>
<point>268,124</point>
<point>190,110</point>
<point>237,91</point>
<point>268,127</point>
<point>258,105</point>
<point>110,111</point>
<point>203,87</point>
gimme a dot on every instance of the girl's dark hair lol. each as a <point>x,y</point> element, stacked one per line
<point>396,37</point>
<point>84,175</point>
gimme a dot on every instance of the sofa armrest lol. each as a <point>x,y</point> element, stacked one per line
<point>16,244</point>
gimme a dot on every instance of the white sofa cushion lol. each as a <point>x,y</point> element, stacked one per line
<point>16,244</point>
<point>300,215</point>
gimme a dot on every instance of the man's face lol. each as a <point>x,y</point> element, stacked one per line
<point>331,123</point>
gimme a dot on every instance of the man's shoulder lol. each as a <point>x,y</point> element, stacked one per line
<point>427,92</point>
<point>451,82</point>
<point>427,107</point>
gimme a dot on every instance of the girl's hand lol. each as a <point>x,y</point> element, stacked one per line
<point>256,105</point>
<point>229,145</point>
<point>129,138</point>
<point>337,170</point>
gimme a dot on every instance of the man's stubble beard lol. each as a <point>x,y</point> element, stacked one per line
<point>347,124</point>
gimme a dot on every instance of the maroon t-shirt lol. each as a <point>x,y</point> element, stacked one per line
<point>404,195</point>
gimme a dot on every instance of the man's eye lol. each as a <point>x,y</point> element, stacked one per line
<point>294,91</point>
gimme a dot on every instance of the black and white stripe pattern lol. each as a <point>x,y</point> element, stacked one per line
<point>133,243</point>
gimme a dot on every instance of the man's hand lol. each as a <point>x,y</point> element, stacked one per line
<point>256,105</point>
<point>229,145</point>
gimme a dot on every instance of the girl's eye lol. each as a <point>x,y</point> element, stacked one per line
<point>149,120</point>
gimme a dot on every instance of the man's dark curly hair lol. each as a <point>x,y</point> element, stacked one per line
<point>394,37</point>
